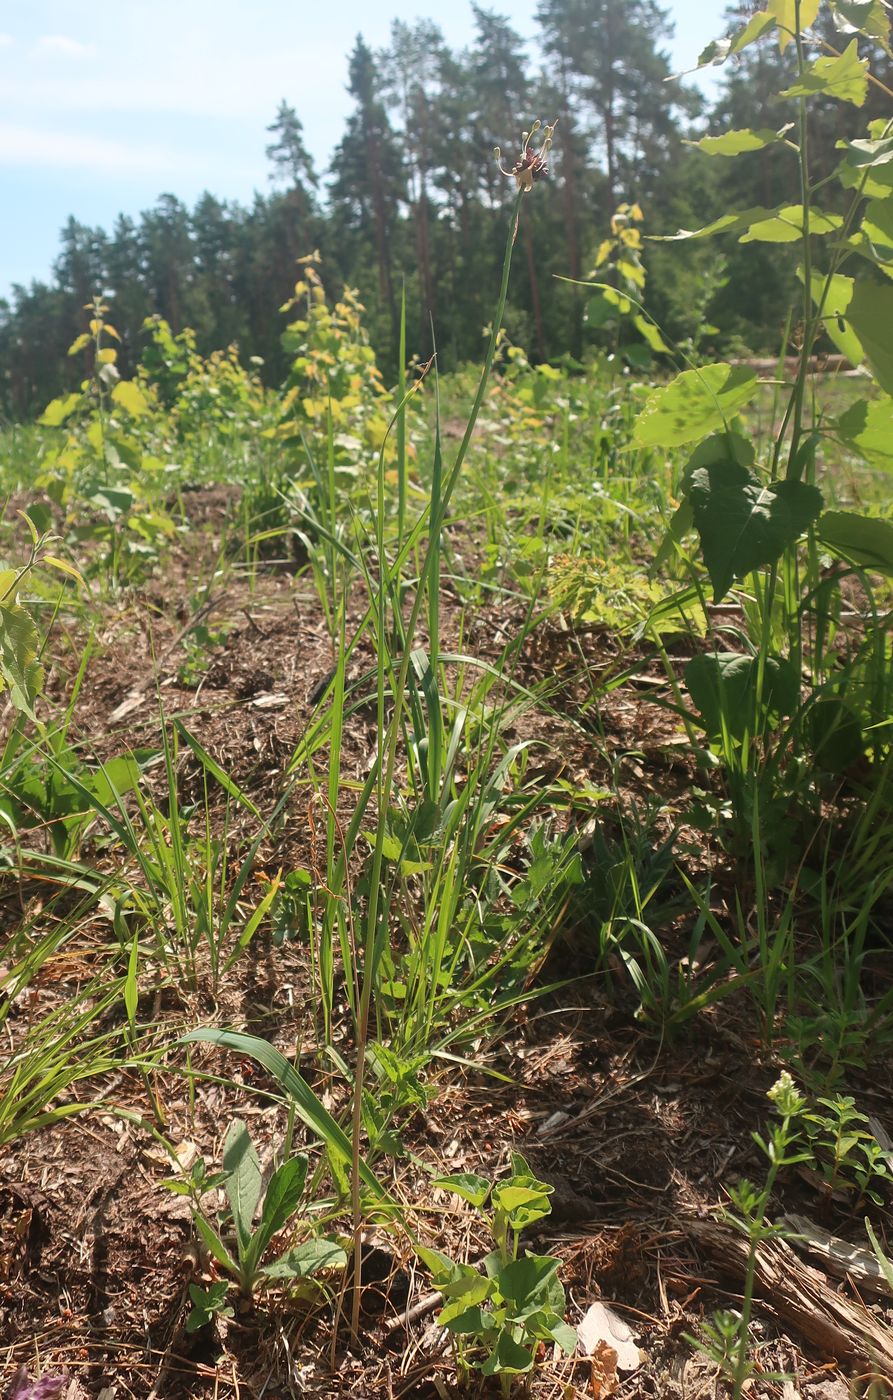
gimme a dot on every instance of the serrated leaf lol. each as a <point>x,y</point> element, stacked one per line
<point>744,524</point>
<point>693,404</point>
<point>834,300</point>
<point>786,226</point>
<point>742,139</point>
<point>19,647</point>
<point>877,227</point>
<point>243,1184</point>
<point>844,78</point>
<point>718,50</point>
<point>726,223</point>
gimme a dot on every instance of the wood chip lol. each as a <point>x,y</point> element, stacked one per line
<point>839,1257</point>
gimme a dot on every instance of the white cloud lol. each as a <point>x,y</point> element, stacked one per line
<point>6,41</point>
<point>64,150</point>
<point>61,43</point>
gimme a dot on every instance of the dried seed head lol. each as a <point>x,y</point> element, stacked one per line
<point>531,165</point>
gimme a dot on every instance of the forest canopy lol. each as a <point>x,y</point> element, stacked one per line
<point>413,199</point>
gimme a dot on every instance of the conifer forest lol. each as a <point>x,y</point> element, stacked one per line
<point>446,764</point>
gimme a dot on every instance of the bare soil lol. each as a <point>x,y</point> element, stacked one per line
<point>638,1137</point>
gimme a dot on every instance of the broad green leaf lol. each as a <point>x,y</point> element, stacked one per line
<point>508,1357</point>
<point>868,163</point>
<point>726,223</point>
<point>869,17</point>
<point>784,12</point>
<point>467,1321</point>
<point>478,1290</point>
<point>56,412</point>
<point>868,425</point>
<point>130,397</point>
<point>735,143</point>
<point>868,154</point>
<point>844,78</point>
<point>307,1259</point>
<point>787,226</point>
<point>744,524</point>
<point>79,343</point>
<point>835,735</point>
<point>566,1337</point>
<point>243,1182</point>
<point>834,295</point>
<point>863,540</point>
<point>283,1194</point>
<point>527,1284</point>
<point>723,687</point>
<point>693,404</point>
<point>870,313</point>
<point>308,1107</point>
<point>19,646</point>
<point>470,1187</point>
<point>455,1281</point>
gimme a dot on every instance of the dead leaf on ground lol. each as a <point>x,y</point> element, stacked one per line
<point>601,1326</point>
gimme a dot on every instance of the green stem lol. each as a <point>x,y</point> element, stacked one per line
<point>794,470</point>
<point>387,771</point>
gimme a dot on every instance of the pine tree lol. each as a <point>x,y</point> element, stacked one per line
<point>368,177</point>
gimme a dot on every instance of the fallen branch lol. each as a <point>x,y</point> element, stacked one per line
<point>801,1297</point>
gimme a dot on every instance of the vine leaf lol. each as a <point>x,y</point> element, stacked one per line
<point>743,523</point>
<point>844,78</point>
<point>693,404</point>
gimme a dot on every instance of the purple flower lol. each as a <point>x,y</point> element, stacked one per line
<point>47,1388</point>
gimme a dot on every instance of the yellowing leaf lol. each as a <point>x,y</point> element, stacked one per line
<point>56,412</point>
<point>130,397</point>
<point>64,567</point>
<point>844,78</point>
<point>784,13</point>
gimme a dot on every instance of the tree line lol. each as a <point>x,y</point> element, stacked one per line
<point>414,204</point>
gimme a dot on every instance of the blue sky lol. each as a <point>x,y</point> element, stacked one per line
<point>102,108</point>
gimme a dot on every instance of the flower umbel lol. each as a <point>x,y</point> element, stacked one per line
<point>531,164</point>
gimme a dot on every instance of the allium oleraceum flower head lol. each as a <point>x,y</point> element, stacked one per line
<point>531,164</point>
